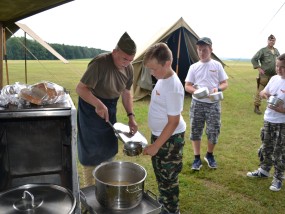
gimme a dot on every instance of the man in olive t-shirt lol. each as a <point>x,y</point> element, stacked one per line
<point>107,77</point>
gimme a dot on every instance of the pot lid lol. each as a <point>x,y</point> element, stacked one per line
<point>37,199</point>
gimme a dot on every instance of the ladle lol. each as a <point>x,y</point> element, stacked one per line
<point>131,148</point>
<point>116,132</point>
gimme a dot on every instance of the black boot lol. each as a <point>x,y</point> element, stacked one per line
<point>256,110</point>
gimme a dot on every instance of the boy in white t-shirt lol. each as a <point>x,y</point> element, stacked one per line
<point>167,126</point>
<point>205,73</point>
<point>273,143</point>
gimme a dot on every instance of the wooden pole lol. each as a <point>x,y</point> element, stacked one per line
<point>5,56</point>
<point>1,55</point>
<point>178,52</point>
<point>26,75</point>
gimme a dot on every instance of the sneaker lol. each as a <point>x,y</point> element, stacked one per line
<point>197,164</point>
<point>275,185</point>
<point>259,173</point>
<point>211,161</point>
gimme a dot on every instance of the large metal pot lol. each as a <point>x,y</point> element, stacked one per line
<point>37,199</point>
<point>119,185</point>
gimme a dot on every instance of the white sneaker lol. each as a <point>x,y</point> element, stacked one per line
<point>276,185</point>
<point>259,173</point>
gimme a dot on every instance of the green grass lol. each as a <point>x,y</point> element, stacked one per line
<point>225,190</point>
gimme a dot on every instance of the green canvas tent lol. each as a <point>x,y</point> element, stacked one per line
<point>181,39</point>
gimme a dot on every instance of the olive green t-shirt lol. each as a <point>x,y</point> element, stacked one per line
<point>104,79</point>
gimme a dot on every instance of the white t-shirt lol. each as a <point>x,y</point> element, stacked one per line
<point>167,98</point>
<point>208,74</point>
<point>276,85</point>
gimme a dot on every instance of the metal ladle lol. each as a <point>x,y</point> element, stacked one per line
<point>131,148</point>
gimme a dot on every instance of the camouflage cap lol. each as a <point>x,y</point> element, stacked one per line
<point>204,40</point>
<point>127,45</point>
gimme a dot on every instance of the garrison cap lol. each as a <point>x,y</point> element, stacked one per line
<point>127,45</point>
<point>271,37</point>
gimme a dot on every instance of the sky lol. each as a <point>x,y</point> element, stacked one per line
<point>238,29</point>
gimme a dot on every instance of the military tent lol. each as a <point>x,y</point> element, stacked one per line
<point>181,39</point>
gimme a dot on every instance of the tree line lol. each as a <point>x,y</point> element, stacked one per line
<point>19,48</point>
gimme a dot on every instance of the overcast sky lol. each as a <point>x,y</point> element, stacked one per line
<point>237,28</point>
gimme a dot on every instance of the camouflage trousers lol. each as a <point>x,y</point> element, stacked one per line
<point>273,148</point>
<point>167,165</point>
<point>205,113</point>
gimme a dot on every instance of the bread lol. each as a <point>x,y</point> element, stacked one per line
<point>31,96</point>
<point>41,93</point>
<point>51,92</point>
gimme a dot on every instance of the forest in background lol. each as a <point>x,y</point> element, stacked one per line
<point>17,47</point>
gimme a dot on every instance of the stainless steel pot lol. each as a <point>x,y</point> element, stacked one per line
<point>119,185</point>
<point>201,93</point>
<point>37,199</point>
<point>217,96</point>
<point>274,101</point>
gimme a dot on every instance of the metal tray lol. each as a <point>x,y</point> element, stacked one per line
<point>149,204</point>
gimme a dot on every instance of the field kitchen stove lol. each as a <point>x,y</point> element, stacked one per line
<point>38,146</point>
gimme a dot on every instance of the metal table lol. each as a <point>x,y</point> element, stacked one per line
<point>149,204</point>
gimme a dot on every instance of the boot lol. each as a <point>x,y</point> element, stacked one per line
<point>256,110</point>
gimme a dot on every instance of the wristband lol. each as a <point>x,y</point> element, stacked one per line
<point>130,114</point>
<point>219,89</point>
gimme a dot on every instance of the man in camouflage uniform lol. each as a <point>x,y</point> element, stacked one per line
<point>264,61</point>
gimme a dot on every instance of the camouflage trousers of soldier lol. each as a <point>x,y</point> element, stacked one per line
<point>273,148</point>
<point>167,165</point>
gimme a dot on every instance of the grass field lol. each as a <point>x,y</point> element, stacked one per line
<point>225,190</point>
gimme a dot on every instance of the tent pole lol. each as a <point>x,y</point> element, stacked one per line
<point>26,79</point>
<point>5,55</point>
<point>178,51</point>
